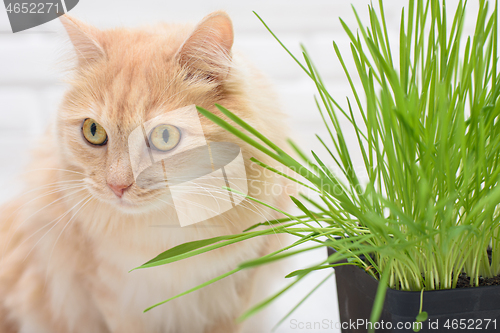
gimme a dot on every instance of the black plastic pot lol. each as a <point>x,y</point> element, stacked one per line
<point>453,310</point>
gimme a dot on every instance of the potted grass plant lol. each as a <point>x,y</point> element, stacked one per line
<point>418,222</point>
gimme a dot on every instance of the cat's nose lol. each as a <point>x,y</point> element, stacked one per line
<point>118,189</point>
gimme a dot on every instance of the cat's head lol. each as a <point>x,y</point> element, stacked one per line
<point>124,78</point>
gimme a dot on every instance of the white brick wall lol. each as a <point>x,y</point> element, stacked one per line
<point>30,87</point>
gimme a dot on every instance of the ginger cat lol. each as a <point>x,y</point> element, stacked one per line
<point>68,243</point>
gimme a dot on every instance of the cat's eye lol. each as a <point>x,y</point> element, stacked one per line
<point>94,133</point>
<point>165,137</point>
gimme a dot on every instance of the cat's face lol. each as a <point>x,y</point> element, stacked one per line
<point>125,78</point>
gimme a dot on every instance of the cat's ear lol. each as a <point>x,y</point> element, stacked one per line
<point>206,54</point>
<point>84,38</point>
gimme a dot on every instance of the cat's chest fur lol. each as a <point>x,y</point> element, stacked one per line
<point>85,286</point>
<point>120,294</point>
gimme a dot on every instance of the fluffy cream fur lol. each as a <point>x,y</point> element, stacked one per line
<point>68,243</point>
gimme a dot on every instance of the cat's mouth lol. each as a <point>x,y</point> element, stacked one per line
<point>127,206</point>
<point>122,202</point>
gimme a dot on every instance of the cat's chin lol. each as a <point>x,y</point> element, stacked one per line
<point>128,207</point>
<point>126,203</point>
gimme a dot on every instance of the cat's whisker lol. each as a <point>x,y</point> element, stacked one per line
<point>54,184</point>
<point>180,212</point>
<point>254,208</point>
<point>242,205</point>
<point>89,198</point>
<point>26,219</point>
<point>58,187</point>
<point>213,188</point>
<point>45,194</point>
<point>58,219</point>
<point>160,209</point>
<point>209,192</point>
<point>254,204</point>
<point>36,232</point>
<point>181,179</point>
<point>80,188</point>
<point>192,203</point>
<point>55,169</point>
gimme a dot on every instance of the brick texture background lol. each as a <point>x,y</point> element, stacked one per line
<point>31,87</point>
